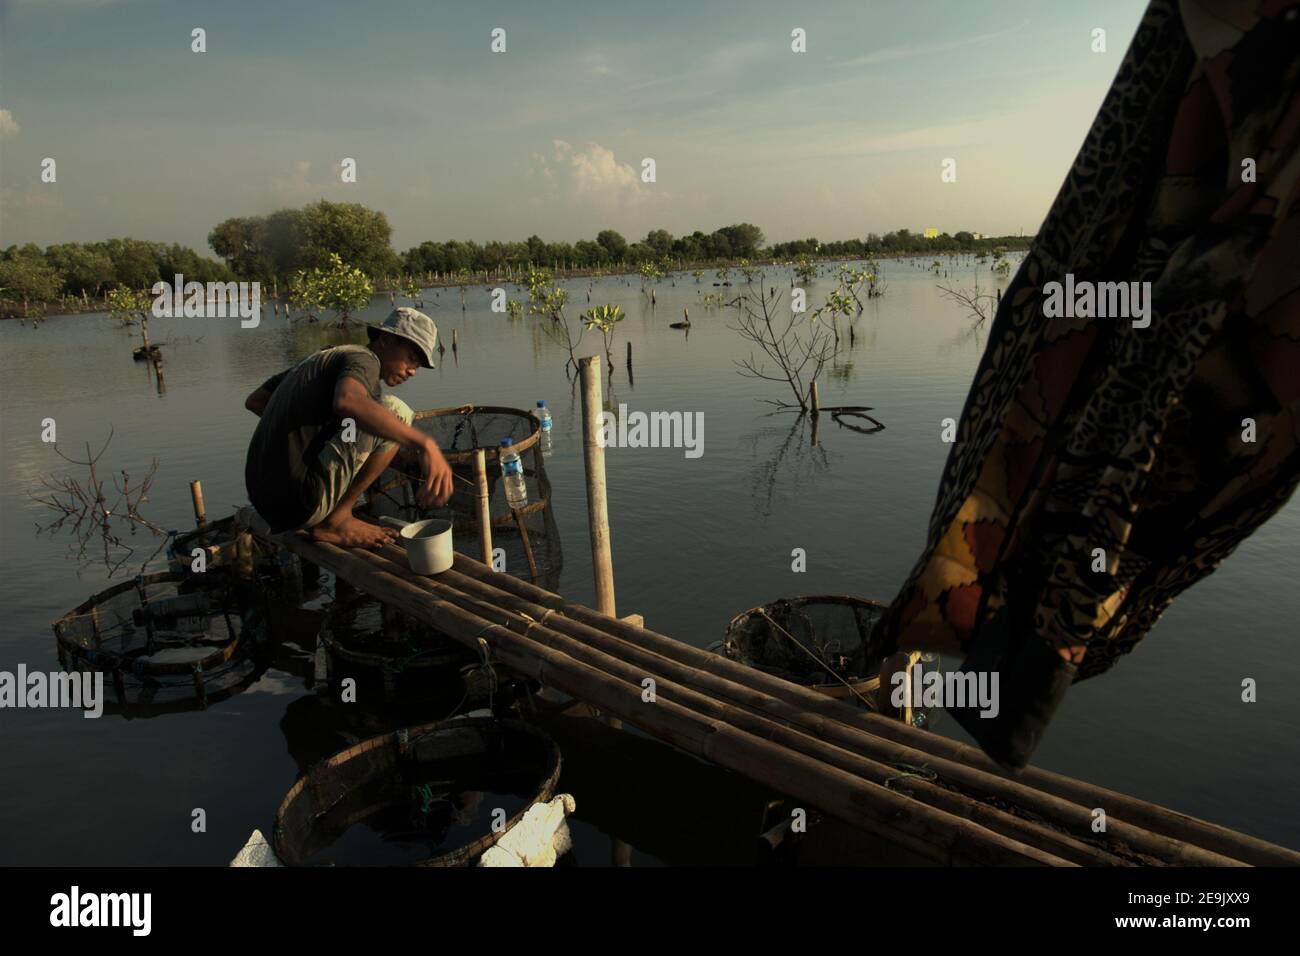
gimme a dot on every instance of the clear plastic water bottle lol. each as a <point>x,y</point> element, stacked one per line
<point>512,471</point>
<point>544,416</point>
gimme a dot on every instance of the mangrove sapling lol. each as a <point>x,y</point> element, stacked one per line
<point>838,303</point>
<point>604,318</point>
<point>548,301</point>
<point>412,290</point>
<point>649,272</point>
<point>127,305</point>
<point>341,288</point>
<point>85,503</point>
<point>805,270</point>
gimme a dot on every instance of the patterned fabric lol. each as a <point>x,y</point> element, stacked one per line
<point>1092,433</point>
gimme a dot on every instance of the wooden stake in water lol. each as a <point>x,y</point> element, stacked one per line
<point>815,398</point>
<point>196,495</point>
<point>593,456</point>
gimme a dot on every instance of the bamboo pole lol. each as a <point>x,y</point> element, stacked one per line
<point>1070,817</point>
<point>528,547</point>
<point>484,508</point>
<point>815,398</point>
<point>866,731</point>
<point>935,834</point>
<point>837,719</point>
<point>668,684</point>
<point>593,455</point>
<point>196,497</point>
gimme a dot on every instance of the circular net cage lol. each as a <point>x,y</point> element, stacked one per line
<point>528,538</point>
<point>391,656</point>
<point>820,641</point>
<point>425,796</point>
<point>228,551</point>
<point>165,641</point>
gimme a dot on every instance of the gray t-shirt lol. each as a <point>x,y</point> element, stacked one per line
<point>282,472</point>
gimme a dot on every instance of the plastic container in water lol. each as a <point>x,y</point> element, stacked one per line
<point>512,471</point>
<point>545,439</point>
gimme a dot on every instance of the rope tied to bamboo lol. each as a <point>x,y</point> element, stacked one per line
<point>919,772</point>
<point>852,690</point>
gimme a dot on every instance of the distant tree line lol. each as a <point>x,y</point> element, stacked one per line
<point>89,270</point>
<point>741,241</point>
<point>275,247</point>
<point>896,243</point>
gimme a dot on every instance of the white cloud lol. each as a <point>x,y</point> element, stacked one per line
<point>299,187</point>
<point>591,174</point>
<point>8,125</point>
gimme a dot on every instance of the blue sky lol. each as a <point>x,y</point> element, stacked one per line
<point>451,140</point>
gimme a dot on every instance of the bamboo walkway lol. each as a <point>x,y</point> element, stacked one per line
<point>937,797</point>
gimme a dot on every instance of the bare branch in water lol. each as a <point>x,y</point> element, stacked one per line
<point>979,306</point>
<point>94,519</point>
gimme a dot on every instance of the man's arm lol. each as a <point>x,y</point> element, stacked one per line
<point>352,400</point>
<point>256,401</point>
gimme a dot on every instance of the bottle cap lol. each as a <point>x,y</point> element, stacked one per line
<point>541,404</point>
<point>507,442</point>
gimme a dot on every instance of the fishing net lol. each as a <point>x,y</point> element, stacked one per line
<point>390,655</point>
<point>529,538</point>
<point>257,566</point>
<point>819,641</point>
<point>168,641</point>
<point>423,796</point>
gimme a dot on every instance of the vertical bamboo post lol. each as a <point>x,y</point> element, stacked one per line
<point>908,703</point>
<point>815,397</point>
<point>629,354</point>
<point>593,458</point>
<point>144,333</point>
<point>893,668</point>
<point>196,495</point>
<point>484,509</point>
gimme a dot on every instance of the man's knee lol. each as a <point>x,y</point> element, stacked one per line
<point>398,408</point>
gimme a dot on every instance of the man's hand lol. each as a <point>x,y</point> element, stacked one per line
<point>437,476</point>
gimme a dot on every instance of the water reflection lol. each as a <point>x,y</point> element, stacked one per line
<point>785,454</point>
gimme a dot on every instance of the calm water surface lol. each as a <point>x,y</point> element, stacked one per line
<point>694,540</point>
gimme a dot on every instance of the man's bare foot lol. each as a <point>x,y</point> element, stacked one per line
<point>352,532</point>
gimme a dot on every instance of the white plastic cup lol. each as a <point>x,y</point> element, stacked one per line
<point>428,544</point>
